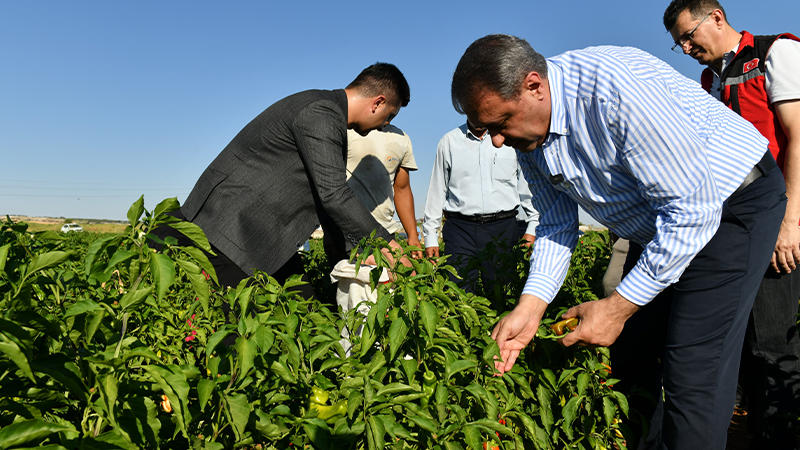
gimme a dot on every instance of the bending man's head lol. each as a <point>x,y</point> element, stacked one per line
<point>500,83</point>
<point>375,97</point>
<point>497,62</point>
<point>383,79</point>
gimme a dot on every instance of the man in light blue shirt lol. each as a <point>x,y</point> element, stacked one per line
<point>478,187</point>
<point>646,152</point>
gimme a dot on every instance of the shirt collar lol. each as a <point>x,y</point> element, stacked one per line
<point>558,112</point>
<point>745,41</point>
<point>726,59</point>
<point>472,135</point>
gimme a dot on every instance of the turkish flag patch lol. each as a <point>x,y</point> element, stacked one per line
<point>750,65</point>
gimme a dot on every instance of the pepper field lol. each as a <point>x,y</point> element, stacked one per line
<point>107,344</point>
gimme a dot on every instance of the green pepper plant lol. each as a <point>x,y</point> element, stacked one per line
<point>114,342</point>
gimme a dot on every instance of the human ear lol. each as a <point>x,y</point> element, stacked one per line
<point>532,83</point>
<point>377,102</point>
<point>718,18</point>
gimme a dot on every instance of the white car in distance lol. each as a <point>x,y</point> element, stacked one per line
<point>67,227</point>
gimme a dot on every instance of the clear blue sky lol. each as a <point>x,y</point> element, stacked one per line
<point>102,101</point>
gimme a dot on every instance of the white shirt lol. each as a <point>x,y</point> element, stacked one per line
<point>471,176</point>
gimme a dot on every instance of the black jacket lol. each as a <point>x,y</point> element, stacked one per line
<point>280,177</point>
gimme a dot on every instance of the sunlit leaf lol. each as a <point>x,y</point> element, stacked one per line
<point>94,249</point>
<point>82,306</point>
<point>430,318</point>
<point>217,338</point>
<point>283,371</point>
<point>118,257</point>
<point>570,411</point>
<point>194,233</point>
<point>246,351</point>
<point>134,299</point>
<point>12,351</point>
<point>240,409</point>
<point>472,434</point>
<point>583,383</point>
<point>375,434</point>
<point>202,259</point>
<point>398,333</point>
<point>135,211</point>
<point>318,432</point>
<point>609,410</point>
<point>425,423</point>
<point>30,431</point>
<point>459,366</point>
<point>410,298</point>
<point>4,256</point>
<point>163,270</point>
<point>47,260</point>
<point>622,402</point>
<point>166,206</point>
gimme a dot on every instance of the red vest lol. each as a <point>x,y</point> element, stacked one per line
<point>743,89</point>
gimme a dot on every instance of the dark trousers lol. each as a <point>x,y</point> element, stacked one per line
<point>228,273</point>
<point>688,340</point>
<point>770,370</point>
<point>464,240</point>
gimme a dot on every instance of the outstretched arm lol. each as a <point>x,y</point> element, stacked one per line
<point>437,194</point>
<point>787,249</point>
<point>404,204</point>
<point>516,330</point>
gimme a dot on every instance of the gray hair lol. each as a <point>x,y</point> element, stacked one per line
<point>497,62</point>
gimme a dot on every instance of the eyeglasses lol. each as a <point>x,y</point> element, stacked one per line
<point>678,47</point>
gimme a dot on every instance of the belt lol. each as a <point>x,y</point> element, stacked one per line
<point>482,218</point>
<point>759,170</point>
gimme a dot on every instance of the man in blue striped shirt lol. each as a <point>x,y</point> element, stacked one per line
<point>646,152</point>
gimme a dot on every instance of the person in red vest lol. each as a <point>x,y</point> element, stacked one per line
<point>759,78</point>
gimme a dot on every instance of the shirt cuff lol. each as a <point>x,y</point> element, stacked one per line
<point>531,228</point>
<point>541,286</point>
<point>639,288</point>
<point>431,238</point>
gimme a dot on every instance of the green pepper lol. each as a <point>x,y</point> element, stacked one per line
<point>428,388</point>
<point>331,413</point>
<point>318,396</point>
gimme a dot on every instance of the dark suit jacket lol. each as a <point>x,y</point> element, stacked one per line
<point>280,177</point>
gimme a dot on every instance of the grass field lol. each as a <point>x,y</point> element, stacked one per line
<point>89,227</point>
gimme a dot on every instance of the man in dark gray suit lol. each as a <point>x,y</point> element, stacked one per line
<point>284,174</point>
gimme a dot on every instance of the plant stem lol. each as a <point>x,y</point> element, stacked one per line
<point>122,334</point>
<point>97,426</point>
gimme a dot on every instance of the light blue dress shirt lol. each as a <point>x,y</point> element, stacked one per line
<point>642,149</point>
<point>470,176</point>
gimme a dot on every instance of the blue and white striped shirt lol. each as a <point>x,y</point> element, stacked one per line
<point>646,152</point>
